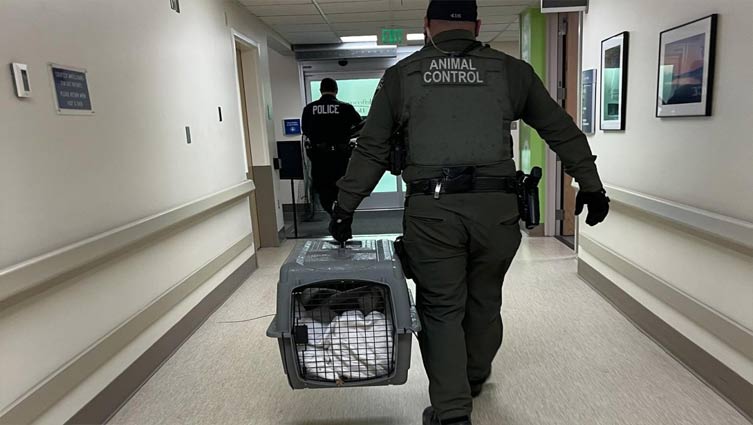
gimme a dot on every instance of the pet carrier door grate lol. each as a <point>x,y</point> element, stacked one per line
<point>343,332</point>
<point>345,317</point>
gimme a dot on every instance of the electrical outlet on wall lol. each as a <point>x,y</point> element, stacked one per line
<point>175,5</point>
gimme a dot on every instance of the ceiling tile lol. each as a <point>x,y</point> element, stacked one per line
<point>374,31</point>
<point>359,17</point>
<point>272,2</point>
<point>354,26</point>
<point>292,20</point>
<point>312,38</point>
<point>409,4</point>
<point>300,22</point>
<point>341,1</point>
<point>284,10</point>
<point>355,7</point>
<point>302,27</point>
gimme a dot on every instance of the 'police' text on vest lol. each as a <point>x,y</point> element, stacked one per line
<point>462,71</point>
<point>326,109</point>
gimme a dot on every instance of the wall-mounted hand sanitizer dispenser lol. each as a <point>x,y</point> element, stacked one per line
<point>21,78</point>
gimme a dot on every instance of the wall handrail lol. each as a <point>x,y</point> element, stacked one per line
<point>28,278</point>
<point>734,233</point>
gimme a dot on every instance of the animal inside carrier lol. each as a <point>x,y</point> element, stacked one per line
<point>345,317</point>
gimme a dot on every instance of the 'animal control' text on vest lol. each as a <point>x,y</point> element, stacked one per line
<point>440,71</point>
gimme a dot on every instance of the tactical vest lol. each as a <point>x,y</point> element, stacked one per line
<point>457,109</point>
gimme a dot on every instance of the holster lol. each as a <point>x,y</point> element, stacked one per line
<point>528,197</point>
<point>403,256</point>
<point>398,153</point>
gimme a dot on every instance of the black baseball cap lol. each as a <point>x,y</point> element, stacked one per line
<point>453,10</point>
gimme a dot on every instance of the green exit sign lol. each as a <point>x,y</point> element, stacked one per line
<point>392,36</point>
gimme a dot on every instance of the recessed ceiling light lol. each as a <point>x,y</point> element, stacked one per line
<point>415,37</point>
<point>359,39</point>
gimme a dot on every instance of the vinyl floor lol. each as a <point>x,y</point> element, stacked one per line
<point>569,358</point>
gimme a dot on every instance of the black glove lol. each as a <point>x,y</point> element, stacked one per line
<point>340,226</point>
<point>598,206</point>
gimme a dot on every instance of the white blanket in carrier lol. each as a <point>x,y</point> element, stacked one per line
<point>351,347</point>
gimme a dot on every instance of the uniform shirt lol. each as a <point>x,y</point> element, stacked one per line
<point>459,128</point>
<point>329,121</point>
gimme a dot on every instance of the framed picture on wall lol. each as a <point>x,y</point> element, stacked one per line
<point>588,101</point>
<point>686,69</point>
<point>614,77</point>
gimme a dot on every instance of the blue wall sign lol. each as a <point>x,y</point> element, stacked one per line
<point>71,90</point>
<point>292,126</point>
<point>588,115</point>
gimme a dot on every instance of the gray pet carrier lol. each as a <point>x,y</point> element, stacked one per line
<point>345,317</point>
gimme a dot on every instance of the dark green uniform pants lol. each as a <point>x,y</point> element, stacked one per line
<point>460,248</point>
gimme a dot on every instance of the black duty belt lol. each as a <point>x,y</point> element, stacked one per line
<point>438,187</point>
<point>326,147</point>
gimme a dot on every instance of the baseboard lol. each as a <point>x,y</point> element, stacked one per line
<point>731,386</point>
<point>100,409</point>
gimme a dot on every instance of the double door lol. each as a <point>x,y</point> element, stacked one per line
<point>357,88</point>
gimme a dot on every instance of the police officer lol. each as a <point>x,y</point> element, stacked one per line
<point>454,100</point>
<point>328,124</point>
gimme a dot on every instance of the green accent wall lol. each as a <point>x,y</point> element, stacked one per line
<point>533,50</point>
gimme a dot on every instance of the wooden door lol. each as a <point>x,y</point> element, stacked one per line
<point>247,143</point>
<point>571,55</point>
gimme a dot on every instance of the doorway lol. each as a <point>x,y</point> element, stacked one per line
<point>568,69</point>
<point>255,130</point>
<point>247,144</point>
<point>357,88</point>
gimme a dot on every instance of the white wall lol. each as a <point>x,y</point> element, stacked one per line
<point>699,162</point>
<point>288,101</point>
<point>240,20</point>
<point>65,178</point>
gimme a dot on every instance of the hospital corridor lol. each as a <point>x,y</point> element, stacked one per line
<point>568,357</point>
<point>376,212</point>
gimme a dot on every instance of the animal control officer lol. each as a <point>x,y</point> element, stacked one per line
<point>455,100</point>
<point>328,123</point>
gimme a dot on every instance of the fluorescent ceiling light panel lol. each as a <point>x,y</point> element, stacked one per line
<point>359,39</point>
<point>415,37</point>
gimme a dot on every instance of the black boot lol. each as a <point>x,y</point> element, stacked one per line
<point>431,418</point>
